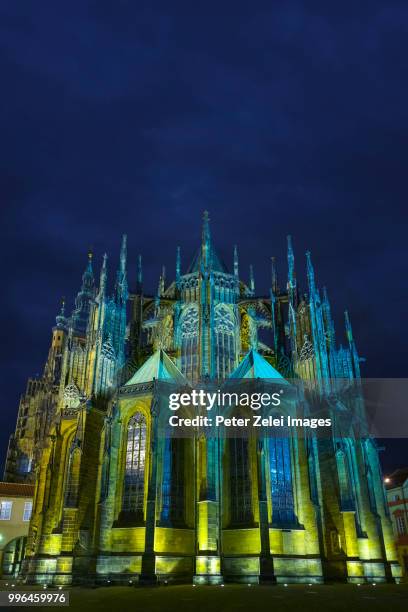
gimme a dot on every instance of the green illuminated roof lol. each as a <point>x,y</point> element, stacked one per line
<point>158,367</point>
<point>254,365</point>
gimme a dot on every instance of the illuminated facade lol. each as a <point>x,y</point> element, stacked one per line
<point>116,501</point>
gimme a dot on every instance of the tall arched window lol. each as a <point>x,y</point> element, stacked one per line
<point>224,340</point>
<point>283,507</point>
<point>240,482</point>
<point>173,482</point>
<point>134,484</point>
<point>343,470</point>
<point>104,476</point>
<point>72,484</point>
<point>314,496</point>
<point>189,344</point>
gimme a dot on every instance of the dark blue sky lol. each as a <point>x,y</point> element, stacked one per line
<point>285,117</point>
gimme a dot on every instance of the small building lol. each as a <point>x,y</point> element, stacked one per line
<point>16,501</point>
<point>397,495</point>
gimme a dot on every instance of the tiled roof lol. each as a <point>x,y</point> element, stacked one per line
<point>16,489</point>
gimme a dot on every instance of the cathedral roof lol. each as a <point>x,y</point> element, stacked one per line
<point>158,367</point>
<point>254,365</point>
<point>216,263</point>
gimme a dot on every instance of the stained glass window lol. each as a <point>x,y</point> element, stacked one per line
<point>225,340</point>
<point>189,345</point>
<point>72,487</point>
<point>283,511</point>
<point>173,482</point>
<point>134,484</point>
<point>240,482</point>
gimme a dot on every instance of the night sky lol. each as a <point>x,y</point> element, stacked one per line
<point>284,117</point>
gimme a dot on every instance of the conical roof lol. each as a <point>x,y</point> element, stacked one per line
<point>206,253</point>
<point>254,365</point>
<point>216,263</point>
<point>158,367</point>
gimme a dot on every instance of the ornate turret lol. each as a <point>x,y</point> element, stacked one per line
<point>103,279</point>
<point>61,319</point>
<point>80,314</point>
<point>318,329</point>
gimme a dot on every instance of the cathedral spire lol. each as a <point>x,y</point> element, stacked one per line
<point>139,286</point>
<point>178,265</point>
<point>349,329</point>
<point>310,275</point>
<point>121,280</point>
<point>80,313</point>
<point>206,242</point>
<point>251,279</point>
<point>273,321</point>
<point>291,266</point>
<point>352,345</point>
<point>162,284</point>
<point>292,296</point>
<point>273,294</point>
<point>274,276</point>
<point>328,316</point>
<point>103,278</point>
<point>236,269</point>
<point>160,288</point>
<point>123,254</point>
<point>88,280</point>
<point>61,318</point>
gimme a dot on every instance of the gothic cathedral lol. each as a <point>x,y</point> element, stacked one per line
<point>117,502</point>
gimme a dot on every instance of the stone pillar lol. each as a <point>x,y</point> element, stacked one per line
<point>208,516</point>
<point>265,558</point>
<point>148,573</point>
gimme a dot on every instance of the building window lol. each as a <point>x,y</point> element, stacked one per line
<point>5,510</point>
<point>24,464</point>
<point>173,482</point>
<point>28,506</point>
<point>400,523</point>
<point>189,343</point>
<point>133,493</point>
<point>224,341</point>
<point>240,483</point>
<point>283,505</point>
<point>74,466</point>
